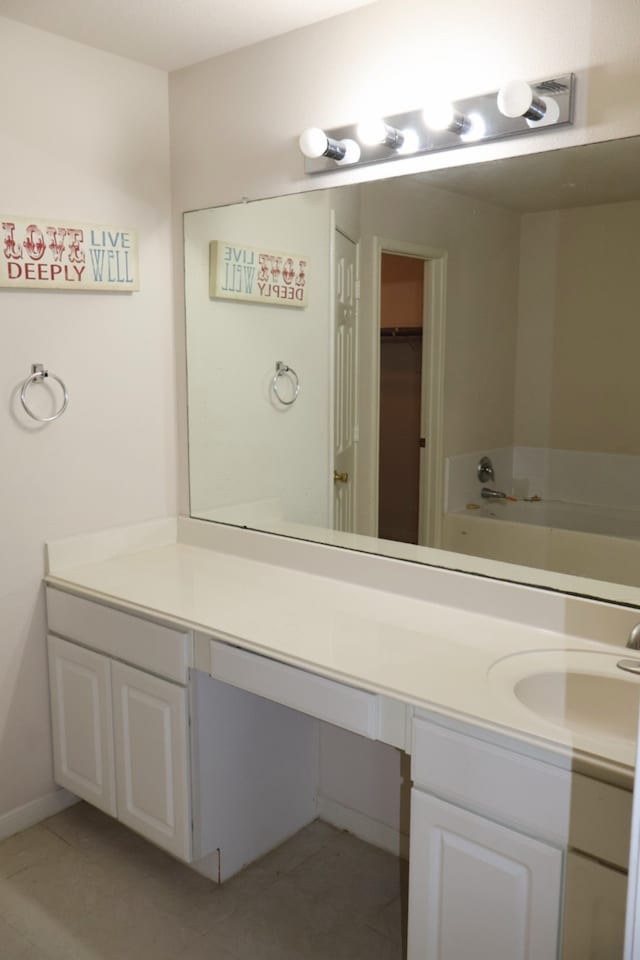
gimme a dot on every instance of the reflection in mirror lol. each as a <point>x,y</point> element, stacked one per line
<point>478,311</point>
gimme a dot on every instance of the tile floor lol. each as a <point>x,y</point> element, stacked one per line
<point>82,887</point>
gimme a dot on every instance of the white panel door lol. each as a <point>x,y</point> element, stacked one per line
<point>152,758</point>
<point>80,684</point>
<point>478,890</point>
<point>344,412</point>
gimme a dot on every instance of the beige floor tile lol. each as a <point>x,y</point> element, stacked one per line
<point>285,858</point>
<point>350,872</point>
<point>131,928</point>
<point>205,948</point>
<point>104,841</point>
<point>391,920</point>
<point>295,851</point>
<point>355,943</point>
<point>29,848</point>
<point>45,902</point>
<point>281,921</point>
<point>13,946</point>
<point>82,887</point>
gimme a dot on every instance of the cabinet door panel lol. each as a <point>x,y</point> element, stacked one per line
<point>478,889</point>
<point>594,910</point>
<point>152,769</point>
<point>80,683</point>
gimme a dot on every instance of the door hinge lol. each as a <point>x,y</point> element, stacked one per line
<point>422,442</point>
<point>356,289</point>
<point>356,432</point>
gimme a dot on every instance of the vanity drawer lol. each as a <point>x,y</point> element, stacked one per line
<point>142,643</point>
<point>520,791</point>
<point>346,706</point>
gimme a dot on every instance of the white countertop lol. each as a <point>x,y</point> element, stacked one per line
<point>421,652</point>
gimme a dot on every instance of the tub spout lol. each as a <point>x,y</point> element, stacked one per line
<point>488,494</point>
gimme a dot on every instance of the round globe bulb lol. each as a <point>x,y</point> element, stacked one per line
<point>551,114</point>
<point>515,98</point>
<point>438,114</point>
<point>411,142</point>
<point>476,128</point>
<point>313,142</point>
<point>371,132</point>
<point>352,152</point>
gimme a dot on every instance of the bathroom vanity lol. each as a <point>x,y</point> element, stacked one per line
<point>186,685</point>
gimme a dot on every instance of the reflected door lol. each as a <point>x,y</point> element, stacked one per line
<point>345,316</point>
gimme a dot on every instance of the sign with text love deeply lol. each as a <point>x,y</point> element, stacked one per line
<point>53,254</point>
<point>257,275</point>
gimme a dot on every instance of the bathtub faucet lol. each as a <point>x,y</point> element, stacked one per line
<point>488,494</point>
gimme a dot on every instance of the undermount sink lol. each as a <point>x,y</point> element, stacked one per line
<point>582,692</point>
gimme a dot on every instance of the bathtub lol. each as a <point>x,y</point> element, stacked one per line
<point>583,539</point>
<point>585,517</point>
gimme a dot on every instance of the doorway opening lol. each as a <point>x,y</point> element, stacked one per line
<point>410,383</point>
<point>400,390</point>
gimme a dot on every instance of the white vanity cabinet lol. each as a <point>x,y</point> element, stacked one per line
<point>120,734</point>
<point>512,854</point>
<point>479,889</point>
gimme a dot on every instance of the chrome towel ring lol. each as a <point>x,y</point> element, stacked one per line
<point>37,375</point>
<point>282,370</point>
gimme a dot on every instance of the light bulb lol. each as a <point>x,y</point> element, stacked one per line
<point>313,142</point>
<point>475,128</point>
<point>372,131</point>
<point>439,114</point>
<point>351,152</point>
<point>517,99</point>
<point>411,141</point>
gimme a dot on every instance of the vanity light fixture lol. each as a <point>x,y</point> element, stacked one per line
<point>518,99</point>
<point>518,108</point>
<point>315,143</point>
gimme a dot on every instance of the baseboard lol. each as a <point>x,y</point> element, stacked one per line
<point>365,827</point>
<point>33,812</point>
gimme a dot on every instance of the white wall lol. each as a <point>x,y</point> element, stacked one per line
<point>388,53</point>
<point>84,136</point>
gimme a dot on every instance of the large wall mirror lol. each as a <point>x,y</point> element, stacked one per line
<point>467,357</point>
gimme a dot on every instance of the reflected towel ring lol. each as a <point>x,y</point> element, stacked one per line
<point>37,375</point>
<point>282,370</point>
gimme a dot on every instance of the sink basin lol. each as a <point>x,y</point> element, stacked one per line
<point>582,692</point>
<point>598,705</point>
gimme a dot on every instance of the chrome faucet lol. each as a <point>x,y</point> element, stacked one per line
<point>488,494</point>
<point>634,638</point>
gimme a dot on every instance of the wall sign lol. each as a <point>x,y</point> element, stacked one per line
<point>256,275</point>
<point>46,254</point>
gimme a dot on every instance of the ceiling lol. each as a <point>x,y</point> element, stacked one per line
<point>171,34</point>
<point>580,176</point>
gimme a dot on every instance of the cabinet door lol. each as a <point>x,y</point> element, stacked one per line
<point>152,758</point>
<point>80,683</point>
<point>594,910</point>
<point>477,890</point>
